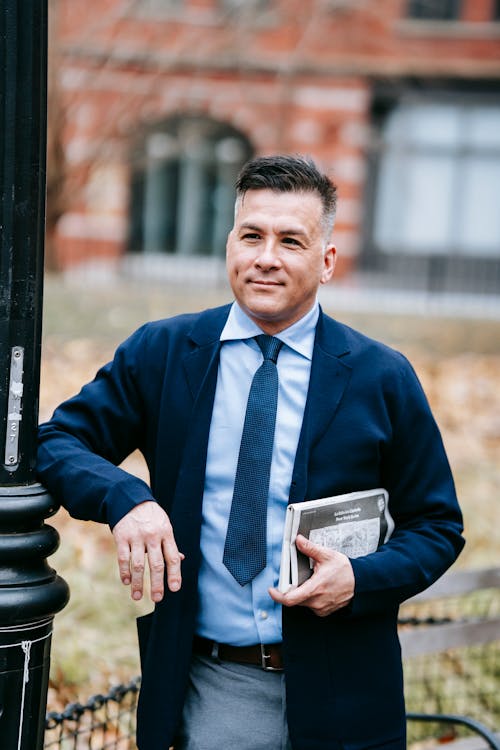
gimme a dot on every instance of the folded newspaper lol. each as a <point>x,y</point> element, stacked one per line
<point>356,524</point>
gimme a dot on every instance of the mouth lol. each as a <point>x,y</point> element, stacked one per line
<point>265,282</point>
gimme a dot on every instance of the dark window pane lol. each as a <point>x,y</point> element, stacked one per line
<point>207,212</point>
<point>434,10</point>
<point>170,173</point>
<point>135,240</point>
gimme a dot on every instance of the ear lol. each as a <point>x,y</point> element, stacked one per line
<point>330,258</point>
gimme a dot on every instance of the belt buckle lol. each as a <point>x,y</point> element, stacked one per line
<point>263,661</point>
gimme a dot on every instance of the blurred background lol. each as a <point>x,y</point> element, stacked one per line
<point>154,105</point>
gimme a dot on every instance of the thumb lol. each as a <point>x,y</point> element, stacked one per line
<point>320,554</point>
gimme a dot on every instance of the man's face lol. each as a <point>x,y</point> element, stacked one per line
<point>277,256</point>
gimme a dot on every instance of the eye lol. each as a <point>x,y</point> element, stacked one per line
<point>291,242</point>
<point>251,236</point>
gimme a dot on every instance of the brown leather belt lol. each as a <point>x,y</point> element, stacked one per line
<point>269,656</point>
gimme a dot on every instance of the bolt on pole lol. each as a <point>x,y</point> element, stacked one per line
<point>31,593</point>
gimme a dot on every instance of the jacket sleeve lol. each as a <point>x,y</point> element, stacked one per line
<point>89,435</point>
<point>428,522</point>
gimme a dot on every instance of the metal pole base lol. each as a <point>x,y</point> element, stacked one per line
<point>30,595</point>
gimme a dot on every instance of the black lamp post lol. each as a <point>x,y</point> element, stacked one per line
<point>30,591</point>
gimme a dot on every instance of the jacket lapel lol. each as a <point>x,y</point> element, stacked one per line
<point>205,336</point>
<point>200,367</point>
<point>328,381</point>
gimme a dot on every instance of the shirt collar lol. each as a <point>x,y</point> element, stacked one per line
<point>299,336</point>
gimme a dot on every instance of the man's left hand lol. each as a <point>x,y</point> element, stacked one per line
<point>330,587</point>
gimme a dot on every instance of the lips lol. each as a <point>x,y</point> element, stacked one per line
<point>265,282</point>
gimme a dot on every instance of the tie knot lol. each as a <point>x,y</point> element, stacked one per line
<point>270,346</point>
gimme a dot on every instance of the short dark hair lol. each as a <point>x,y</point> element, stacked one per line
<point>284,173</point>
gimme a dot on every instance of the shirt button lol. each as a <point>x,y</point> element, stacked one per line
<point>263,614</point>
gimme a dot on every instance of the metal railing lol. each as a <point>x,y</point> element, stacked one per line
<point>104,722</point>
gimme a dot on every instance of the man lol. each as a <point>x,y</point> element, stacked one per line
<point>349,415</point>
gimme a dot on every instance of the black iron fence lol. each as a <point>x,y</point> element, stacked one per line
<point>104,722</point>
<point>450,638</point>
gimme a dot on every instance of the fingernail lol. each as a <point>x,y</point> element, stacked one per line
<point>137,595</point>
<point>175,586</point>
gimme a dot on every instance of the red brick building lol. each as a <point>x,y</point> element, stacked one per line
<point>399,100</point>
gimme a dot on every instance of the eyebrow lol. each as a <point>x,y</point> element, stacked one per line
<point>257,228</point>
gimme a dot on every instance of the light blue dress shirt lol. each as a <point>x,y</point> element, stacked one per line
<point>228,612</point>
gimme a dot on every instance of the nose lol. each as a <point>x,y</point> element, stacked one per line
<point>268,257</point>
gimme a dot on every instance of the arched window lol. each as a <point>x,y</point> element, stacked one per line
<point>182,190</point>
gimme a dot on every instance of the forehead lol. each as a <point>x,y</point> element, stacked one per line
<point>282,210</point>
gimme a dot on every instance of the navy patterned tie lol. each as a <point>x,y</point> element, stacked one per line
<point>245,548</point>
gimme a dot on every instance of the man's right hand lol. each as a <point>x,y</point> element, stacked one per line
<point>146,529</point>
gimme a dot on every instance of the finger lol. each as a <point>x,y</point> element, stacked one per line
<point>315,551</point>
<point>280,596</point>
<point>123,553</point>
<point>137,569</point>
<point>316,603</point>
<point>156,572</point>
<point>295,596</point>
<point>173,560</point>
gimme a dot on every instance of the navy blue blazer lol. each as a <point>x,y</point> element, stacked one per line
<point>366,424</point>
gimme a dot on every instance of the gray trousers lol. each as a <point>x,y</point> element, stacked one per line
<point>232,705</point>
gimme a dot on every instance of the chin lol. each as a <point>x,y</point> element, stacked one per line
<point>264,312</point>
<point>269,323</point>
